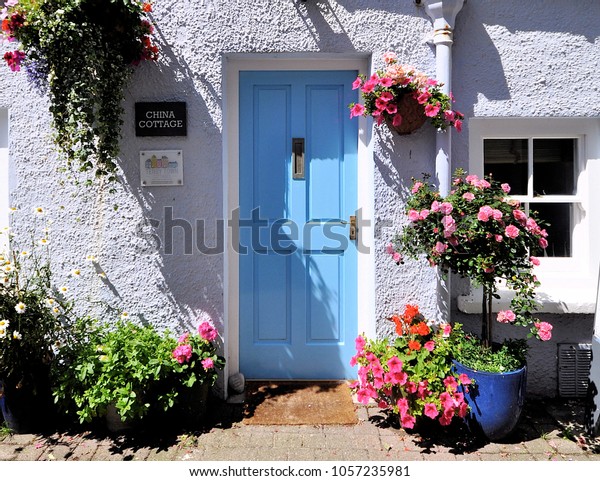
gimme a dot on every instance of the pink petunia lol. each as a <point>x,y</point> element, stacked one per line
<point>430,410</point>
<point>458,125</point>
<point>357,110</point>
<point>407,421</point>
<point>464,379</point>
<point>394,364</point>
<point>386,82</point>
<point>397,120</point>
<point>369,86</point>
<point>402,406</point>
<point>429,345</point>
<point>432,110</point>
<point>449,115</point>
<point>450,383</point>
<point>357,83</point>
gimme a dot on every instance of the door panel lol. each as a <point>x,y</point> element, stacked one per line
<point>297,266</point>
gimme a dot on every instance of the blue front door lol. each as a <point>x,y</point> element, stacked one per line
<point>298,266</point>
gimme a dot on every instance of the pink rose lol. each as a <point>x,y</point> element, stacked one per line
<point>520,216</point>
<point>446,208</point>
<point>484,213</point>
<point>505,188</point>
<point>390,57</point>
<point>416,187</point>
<point>543,243</point>
<point>534,260</point>
<point>506,317</point>
<point>544,330</point>
<point>511,231</point>
<point>207,331</point>
<point>413,215</point>
<point>440,248</point>
<point>468,196</point>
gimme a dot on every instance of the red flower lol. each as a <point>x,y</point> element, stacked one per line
<point>147,7</point>
<point>414,345</point>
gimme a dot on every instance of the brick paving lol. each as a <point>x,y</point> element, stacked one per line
<point>548,431</point>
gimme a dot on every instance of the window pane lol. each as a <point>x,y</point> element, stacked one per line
<point>506,161</point>
<point>554,166</point>
<point>560,220</point>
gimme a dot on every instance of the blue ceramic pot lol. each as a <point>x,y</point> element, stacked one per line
<point>496,400</point>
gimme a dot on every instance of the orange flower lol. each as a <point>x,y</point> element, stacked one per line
<point>147,7</point>
<point>398,321</point>
<point>410,313</point>
<point>414,345</point>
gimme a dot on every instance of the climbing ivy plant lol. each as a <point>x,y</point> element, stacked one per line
<point>82,54</point>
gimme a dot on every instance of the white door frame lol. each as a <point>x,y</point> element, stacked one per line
<point>232,65</point>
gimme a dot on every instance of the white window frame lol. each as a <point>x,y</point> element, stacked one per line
<point>568,284</point>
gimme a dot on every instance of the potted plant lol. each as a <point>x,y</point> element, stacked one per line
<point>82,53</point>
<point>404,99</point>
<point>411,376</point>
<point>479,232</point>
<point>33,315</point>
<point>127,373</point>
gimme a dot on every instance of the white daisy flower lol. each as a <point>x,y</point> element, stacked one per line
<point>43,241</point>
<point>124,315</point>
<point>20,308</point>
<point>39,210</point>
<point>50,302</point>
<point>76,272</point>
<point>55,310</point>
<point>12,210</point>
<point>2,333</point>
<point>4,280</point>
<point>90,258</point>
<point>25,253</point>
<point>17,335</point>
<point>7,268</point>
<point>63,289</point>
<point>4,323</point>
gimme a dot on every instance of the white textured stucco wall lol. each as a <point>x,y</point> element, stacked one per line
<point>511,58</point>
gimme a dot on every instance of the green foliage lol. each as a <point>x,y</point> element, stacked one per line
<point>82,52</point>
<point>130,366</point>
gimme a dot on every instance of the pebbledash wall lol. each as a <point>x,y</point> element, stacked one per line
<point>510,59</point>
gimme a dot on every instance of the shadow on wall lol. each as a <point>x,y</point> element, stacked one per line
<point>191,283</point>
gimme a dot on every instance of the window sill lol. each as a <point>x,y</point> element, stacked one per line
<point>555,299</point>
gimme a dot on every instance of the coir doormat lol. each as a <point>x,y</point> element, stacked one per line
<point>296,403</point>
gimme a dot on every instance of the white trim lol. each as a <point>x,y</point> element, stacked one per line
<point>568,285</point>
<point>232,65</point>
<point>4,177</point>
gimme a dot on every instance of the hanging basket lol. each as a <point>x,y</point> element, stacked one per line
<point>413,115</point>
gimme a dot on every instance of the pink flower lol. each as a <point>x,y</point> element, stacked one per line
<point>543,243</point>
<point>14,59</point>
<point>411,387</point>
<point>386,96</point>
<point>429,345</point>
<point>416,187</point>
<point>397,120</point>
<point>413,215</point>
<point>357,110</point>
<point>432,110</point>
<point>208,364</point>
<point>449,115</point>
<point>435,206</point>
<point>390,57</point>
<point>423,214</point>
<point>506,317</point>
<point>520,216</point>
<point>450,383</point>
<point>446,329</point>
<point>424,97</point>
<point>468,196</point>
<point>472,179</point>
<point>497,214</point>
<point>183,338</point>
<point>207,331</point>
<point>408,421</point>
<point>396,377</point>
<point>182,353</point>
<point>447,400</point>
<point>386,82</point>
<point>458,125</point>
<point>440,248</point>
<point>357,83</point>
<point>534,260</point>
<point>391,108</point>
<point>369,86</point>
<point>446,208</point>
<point>511,231</point>
<point>402,406</point>
<point>359,343</point>
<point>498,237</point>
<point>430,410</point>
<point>394,364</point>
<point>464,379</point>
<point>484,213</point>
<point>449,225</point>
<point>505,188</point>
<point>544,330</point>
<point>397,257</point>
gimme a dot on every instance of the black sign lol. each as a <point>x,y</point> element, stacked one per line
<point>153,119</point>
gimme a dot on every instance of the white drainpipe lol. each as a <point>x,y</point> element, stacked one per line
<point>443,14</point>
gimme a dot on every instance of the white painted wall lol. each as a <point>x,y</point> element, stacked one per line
<point>510,58</point>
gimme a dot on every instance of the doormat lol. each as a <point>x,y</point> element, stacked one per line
<point>297,403</point>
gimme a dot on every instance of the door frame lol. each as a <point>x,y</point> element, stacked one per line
<point>232,65</point>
